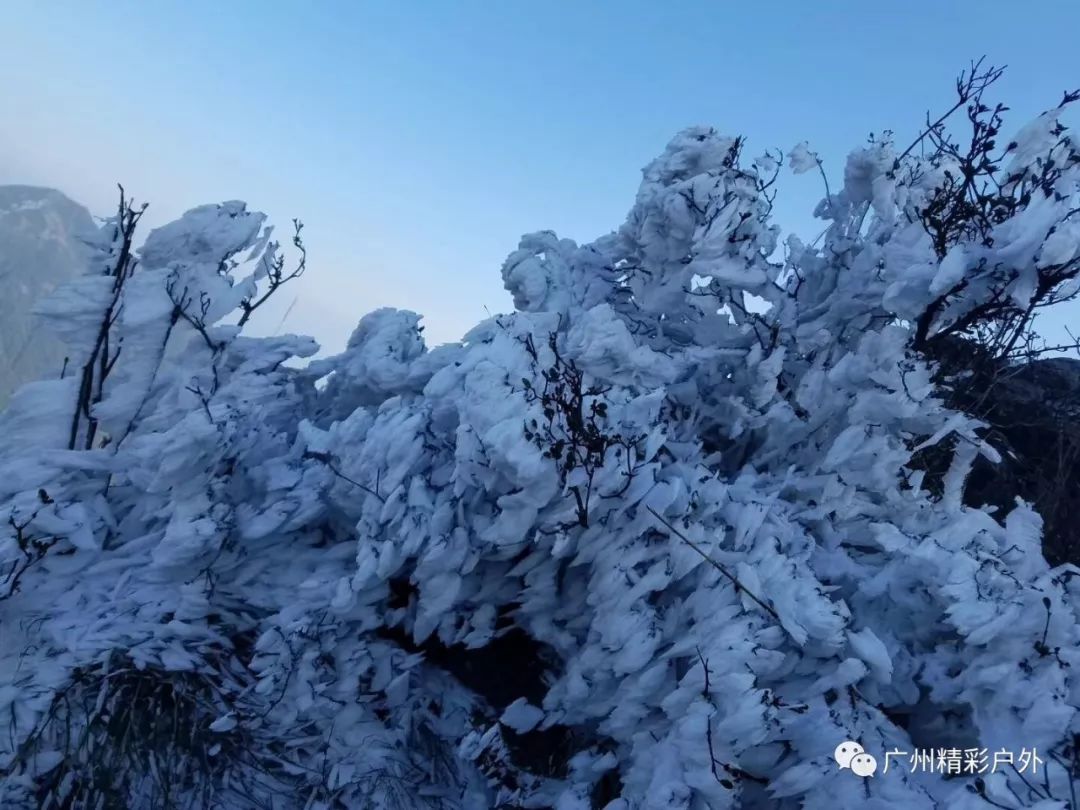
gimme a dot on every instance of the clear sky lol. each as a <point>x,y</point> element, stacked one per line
<point>419,140</point>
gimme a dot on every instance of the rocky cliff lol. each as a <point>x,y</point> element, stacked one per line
<point>40,247</point>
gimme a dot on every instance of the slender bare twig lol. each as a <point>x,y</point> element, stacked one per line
<point>739,587</point>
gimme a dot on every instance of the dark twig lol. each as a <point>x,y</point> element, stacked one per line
<point>739,587</point>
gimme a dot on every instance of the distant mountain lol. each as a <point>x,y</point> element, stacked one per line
<point>40,247</point>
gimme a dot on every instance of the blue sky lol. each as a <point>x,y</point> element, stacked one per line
<point>419,140</point>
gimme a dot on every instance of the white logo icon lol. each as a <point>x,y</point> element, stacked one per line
<point>849,754</point>
<point>845,752</point>
<point>863,765</point>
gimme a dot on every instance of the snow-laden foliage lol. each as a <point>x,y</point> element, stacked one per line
<point>661,538</point>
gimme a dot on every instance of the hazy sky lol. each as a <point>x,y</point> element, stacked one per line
<point>419,140</point>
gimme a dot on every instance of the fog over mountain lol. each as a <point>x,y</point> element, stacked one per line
<point>39,248</point>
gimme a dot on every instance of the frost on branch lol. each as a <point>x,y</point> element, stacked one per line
<point>643,543</point>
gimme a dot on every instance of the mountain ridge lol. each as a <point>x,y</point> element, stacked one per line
<point>40,247</point>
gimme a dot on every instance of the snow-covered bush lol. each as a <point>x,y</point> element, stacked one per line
<point>644,543</point>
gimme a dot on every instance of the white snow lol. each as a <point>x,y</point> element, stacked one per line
<point>521,716</point>
<point>701,515</point>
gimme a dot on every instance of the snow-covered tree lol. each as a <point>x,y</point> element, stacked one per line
<point>661,538</point>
